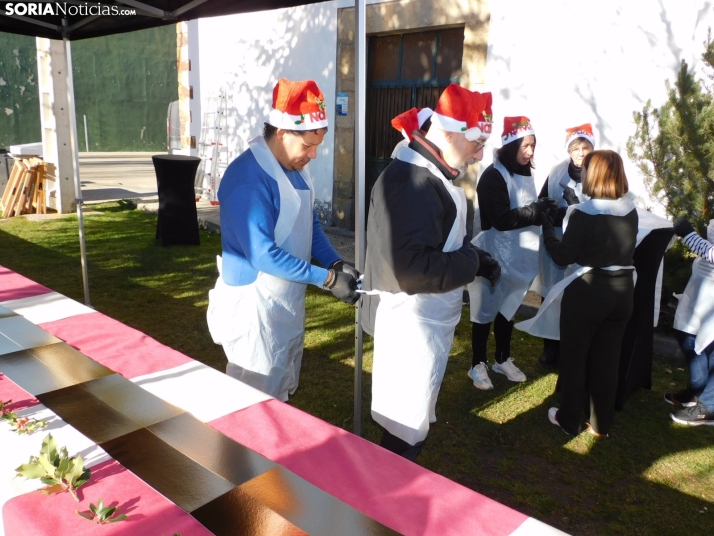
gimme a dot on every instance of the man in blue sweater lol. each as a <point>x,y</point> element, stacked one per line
<point>269,233</point>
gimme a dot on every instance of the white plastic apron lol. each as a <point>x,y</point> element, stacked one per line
<point>517,253</point>
<point>546,323</point>
<point>695,312</point>
<point>550,273</point>
<point>412,339</point>
<point>262,325</point>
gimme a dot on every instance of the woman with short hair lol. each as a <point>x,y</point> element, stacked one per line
<point>564,185</point>
<point>600,236</point>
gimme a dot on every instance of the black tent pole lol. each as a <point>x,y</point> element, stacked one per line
<point>360,105</point>
<point>75,160</point>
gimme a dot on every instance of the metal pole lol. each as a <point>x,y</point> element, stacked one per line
<point>75,158</point>
<point>360,106</point>
<point>86,135</point>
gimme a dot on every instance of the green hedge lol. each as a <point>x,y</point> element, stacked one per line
<point>123,84</point>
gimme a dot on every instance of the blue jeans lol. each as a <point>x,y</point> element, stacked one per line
<point>701,368</point>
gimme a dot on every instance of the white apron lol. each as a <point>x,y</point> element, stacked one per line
<point>546,323</point>
<point>517,253</point>
<point>695,312</point>
<point>550,273</point>
<point>262,325</point>
<point>412,339</point>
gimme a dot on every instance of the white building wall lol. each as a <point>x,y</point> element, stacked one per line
<point>56,112</point>
<point>194,82</point>
<point>247,54</point>
<point>566,62</point>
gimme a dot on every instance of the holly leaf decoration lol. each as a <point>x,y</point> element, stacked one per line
<point>85,515</point>
<point>56,469</point>
<point>31,470</point>
<point>77,474</point>
<point>3,404</point>
<point>5,414</point>
<point>56,488</point>
<point>101,514</point>
<point>26,425</point>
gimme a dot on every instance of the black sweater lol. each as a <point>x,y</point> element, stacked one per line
<point>594,240</point>
<point>495,205</point>
<point>410,217</point>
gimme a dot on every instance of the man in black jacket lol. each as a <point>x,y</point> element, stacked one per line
<point>418,260</point>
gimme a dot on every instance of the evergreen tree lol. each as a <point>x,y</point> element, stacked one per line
<point>673,146</point>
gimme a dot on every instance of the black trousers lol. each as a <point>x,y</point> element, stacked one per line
<point>593,317</point>
<point>502,331</point>
<point>399,446</point>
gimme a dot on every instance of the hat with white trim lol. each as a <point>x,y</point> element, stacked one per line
<point>515,128</point>
<point>411,120</point>
<point>461,110</point>
<point>298,106</point>
<point>583,131</point>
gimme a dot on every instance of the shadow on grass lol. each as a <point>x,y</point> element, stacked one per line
<point>498,443</point>
<point>161,291</point>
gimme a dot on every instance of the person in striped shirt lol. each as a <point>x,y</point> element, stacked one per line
<point>694,330</point>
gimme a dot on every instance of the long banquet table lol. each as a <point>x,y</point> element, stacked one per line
<point>183,449</point>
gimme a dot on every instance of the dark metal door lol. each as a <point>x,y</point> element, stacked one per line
<point>405,71</point>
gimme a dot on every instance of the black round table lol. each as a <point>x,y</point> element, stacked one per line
<point>177,222</point>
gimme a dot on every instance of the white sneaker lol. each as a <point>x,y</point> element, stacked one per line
<point>554,420</point>
<point>551,416</point>
<point>479,375</point>
<point>510,370</point>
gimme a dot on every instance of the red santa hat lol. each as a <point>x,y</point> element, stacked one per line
<point>485,119</point>
<point>515,128</point>
<point>298,106</point>
<point>461,110</point>
<point>583,131</point>
<point>411,120</point>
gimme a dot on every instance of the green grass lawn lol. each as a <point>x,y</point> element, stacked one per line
<point>650,477</point>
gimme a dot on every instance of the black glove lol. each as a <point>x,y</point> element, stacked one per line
<point>570,196</point>
<point>535,209</point>
<point>488,267</point>
<point>469,250</point>
<point>341,266</point>
<point>546,203</point>
<point>546,221</point>
<point>343,286</point>
<point>530,214</point>
<point>559,216</point>
<point>682,227</point>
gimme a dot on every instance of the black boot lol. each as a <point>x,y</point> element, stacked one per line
<point>551,353</point>
<point>399,446</point>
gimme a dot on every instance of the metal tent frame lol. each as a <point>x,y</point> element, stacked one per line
<point>87,19</point>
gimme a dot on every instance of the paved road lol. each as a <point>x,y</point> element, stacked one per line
<point>112,176</point>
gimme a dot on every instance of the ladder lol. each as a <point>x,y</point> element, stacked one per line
<point>212,149</point>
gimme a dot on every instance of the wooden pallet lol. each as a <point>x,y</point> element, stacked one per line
<point>25,190</point>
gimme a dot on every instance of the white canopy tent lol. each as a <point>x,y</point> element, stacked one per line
<point>83,24</point>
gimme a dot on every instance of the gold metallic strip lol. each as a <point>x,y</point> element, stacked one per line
<point>183,481</point>
<point>280,502</point>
